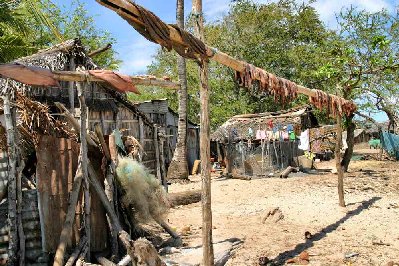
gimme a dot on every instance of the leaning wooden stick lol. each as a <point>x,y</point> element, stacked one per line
<point>76,253</point>
<point>74,122</point>
<point>128,243</point>
<point>83,146</point>
<point>109,185</point>
<point>69,218</point>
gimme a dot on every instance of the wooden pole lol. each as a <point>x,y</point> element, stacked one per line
<point>130,13</point>
<point>162,139</point>
<point>71,90</point>
<point>109,186</point>
<point>338,159</point>
<point>141,131</point>
<point>9,117</point>
<point>205,149</point>
<point>128,243</point>
<point>81,76</point>
<point>75,254</point>
<point>21,235</point>
<point>157,159</point>
<point>83,146</point>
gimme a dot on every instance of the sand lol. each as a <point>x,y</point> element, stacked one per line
<point>366,232</point>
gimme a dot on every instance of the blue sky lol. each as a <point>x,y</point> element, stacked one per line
<point>137,53</point>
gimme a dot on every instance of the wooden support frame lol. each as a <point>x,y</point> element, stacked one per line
<point>157,159</point>
<point>205,148</point>
<point>69,218</point>
<point>81,87</point>
<point>130,13</point>
<point>81,76</point>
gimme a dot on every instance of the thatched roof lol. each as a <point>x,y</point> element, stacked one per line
<point>242,123</point>
<point>59,58</point>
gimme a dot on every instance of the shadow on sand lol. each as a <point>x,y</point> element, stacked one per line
<point>282,257</point>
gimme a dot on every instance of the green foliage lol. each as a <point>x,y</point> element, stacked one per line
<point>48,25</point>
<point>13,35</point>
<point>284,38</point>
<point>362,60</point>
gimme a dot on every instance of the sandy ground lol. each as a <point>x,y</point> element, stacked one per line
<point>368,228</point>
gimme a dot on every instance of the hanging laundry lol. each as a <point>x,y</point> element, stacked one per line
<point>290,127</point>
<point>276,135</point>
<point>285,135</point>
<point>250,133</point>
<point>270,123</point>
<point>269,135</point>
<point>304,140</point>
<point>390,143</point>
<point>258,134</point>
<point>262,134</point>
<point>292,135</point>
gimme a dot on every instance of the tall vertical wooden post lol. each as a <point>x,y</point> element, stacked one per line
<point>157,159</point>
<point>338,159</point>
<point>205,149</point>
<point>83,146</point>
<point>12,181</point>
<point>71,90</point>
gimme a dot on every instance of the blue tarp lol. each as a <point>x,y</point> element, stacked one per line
<point>390,143</point>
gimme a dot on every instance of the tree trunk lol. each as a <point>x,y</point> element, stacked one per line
<point>392,120</point>
<point>340,171</point>
<point>205,149</point>
<point>12,181</point>
<point>178,168</point>
<point>350,140</point>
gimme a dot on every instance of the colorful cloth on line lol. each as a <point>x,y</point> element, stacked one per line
<point>390,143</point>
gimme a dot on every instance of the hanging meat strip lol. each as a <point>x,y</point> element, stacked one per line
<point>281,89</point>
<point>334,104</point>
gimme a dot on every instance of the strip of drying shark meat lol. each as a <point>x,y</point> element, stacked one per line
<point>334,104</point>
<point>282,89</point>
<point>155,30</point>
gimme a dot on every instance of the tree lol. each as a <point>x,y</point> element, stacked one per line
<point>14,34</point>
<point>178,168</point>
<point>284,38</point>
<point>50,25</point>
<point>363,63</point>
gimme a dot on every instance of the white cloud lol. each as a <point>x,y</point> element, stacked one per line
<point>215,8</point>
<point>136,56</point>
<point>328,9</point>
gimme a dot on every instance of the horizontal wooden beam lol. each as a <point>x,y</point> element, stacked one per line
<point>80,76</point>
<point>130,13</point>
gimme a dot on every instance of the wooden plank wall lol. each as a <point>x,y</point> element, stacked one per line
<point>128,123</point>
<point>56,167</point>
<point>31,225</point>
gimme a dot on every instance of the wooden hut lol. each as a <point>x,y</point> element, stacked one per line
<point>159,112</point>
<point>259,144</point>
<point>57,157</point>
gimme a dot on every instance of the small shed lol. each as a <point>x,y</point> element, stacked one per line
<point>159,112</point>
<point>57,157</point>
<point>258,144</point>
